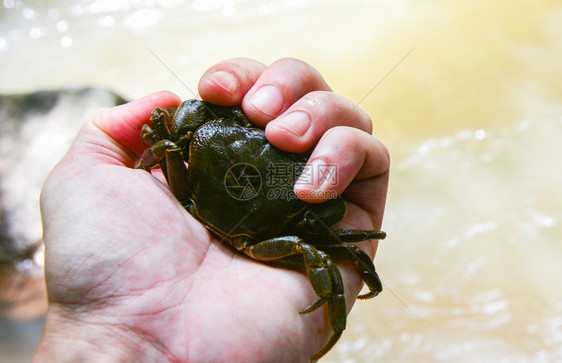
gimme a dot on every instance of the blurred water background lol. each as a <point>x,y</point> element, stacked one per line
<point>472,117</point>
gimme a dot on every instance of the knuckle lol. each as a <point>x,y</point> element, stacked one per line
<point>289,62</point>
<point>101,113</point>
<point>384,154</point>
<point>336,110</point>
<point>304,72</point>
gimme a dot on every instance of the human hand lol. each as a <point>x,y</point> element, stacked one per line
<point>131,276</point>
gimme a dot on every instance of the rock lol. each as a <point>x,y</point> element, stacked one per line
<point>36,129</point>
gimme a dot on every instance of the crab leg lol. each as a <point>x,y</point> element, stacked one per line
<point>362,262</point>
<point>321,271</point>
<point>157,138</point>
<point>174,168</point>
<point>358,235</point>
<point>156,153</point>
<point>177,175</point>
<point>160,119</point>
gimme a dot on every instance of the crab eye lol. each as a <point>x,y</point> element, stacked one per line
<point>322,217</point>
<point>313,224</point>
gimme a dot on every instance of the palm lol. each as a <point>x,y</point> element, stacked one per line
<point>158,265</point>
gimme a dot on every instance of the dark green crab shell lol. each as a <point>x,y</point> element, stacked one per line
<point>234,189</point>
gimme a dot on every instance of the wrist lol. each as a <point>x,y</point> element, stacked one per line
<point>67,339</point>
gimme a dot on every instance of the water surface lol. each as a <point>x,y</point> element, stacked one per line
<point>472,117</point>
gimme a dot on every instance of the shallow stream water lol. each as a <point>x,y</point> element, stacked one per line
<point>472,117</point>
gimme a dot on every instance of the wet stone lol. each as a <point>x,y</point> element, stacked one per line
<point>36,129</point>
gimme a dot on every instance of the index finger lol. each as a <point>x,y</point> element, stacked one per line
<point>263,92</point>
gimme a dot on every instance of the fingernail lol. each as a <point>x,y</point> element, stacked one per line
<point>296,122</point>
<point>268,100</point>
<point>317,176</point>
<point>226,81</point>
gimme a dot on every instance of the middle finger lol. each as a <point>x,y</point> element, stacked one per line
<point>300,127</point>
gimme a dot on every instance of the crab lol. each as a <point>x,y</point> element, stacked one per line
<point>223,187</point>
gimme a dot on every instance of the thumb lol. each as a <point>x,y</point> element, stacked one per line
<point>111,138</point>
<point>115,132</point>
